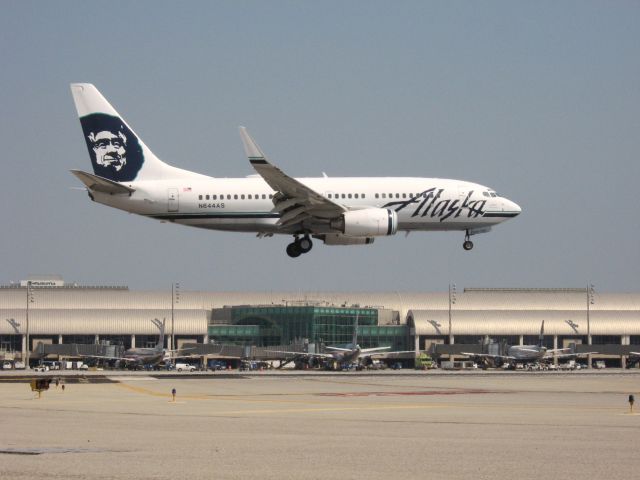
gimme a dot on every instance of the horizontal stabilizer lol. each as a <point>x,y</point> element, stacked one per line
<point>101,184</point>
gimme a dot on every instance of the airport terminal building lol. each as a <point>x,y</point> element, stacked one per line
<point>48,311</point>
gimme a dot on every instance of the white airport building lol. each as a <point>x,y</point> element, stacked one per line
<point>47,310</point>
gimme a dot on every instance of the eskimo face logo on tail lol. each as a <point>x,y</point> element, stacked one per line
<point>115,151</point>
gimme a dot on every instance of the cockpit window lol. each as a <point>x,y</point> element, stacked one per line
<point>494,194</point>
<point>486,194</point>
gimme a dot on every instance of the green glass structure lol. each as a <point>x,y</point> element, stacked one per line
<point>265,326</point>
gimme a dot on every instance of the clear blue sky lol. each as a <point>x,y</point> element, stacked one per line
<point>539,100</point>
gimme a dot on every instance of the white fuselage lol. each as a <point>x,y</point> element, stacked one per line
<point>245,204</point>
<point>339,211</point>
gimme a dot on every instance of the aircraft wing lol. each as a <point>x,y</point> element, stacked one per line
<point>362,350</point>
<point>173,354</point>
<point>294,201</point>
<point>166,350</point>
<point>303,354</point>
<point>104,357</point>
<point>487,355</point>
<point>376,349</point>
<point>378,354</point>
<point>570,354</point>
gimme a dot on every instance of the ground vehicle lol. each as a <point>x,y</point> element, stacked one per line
<point>454,365</point>
<point>52,365</point>
<point>78,365</point>
<point>185,366</point>
<point>217,365</point>
<point>377,365</point>
<point>424,362</point>
<point>41,368</point>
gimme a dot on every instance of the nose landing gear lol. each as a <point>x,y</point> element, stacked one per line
<point>468,244</point>
<point>299,246</point>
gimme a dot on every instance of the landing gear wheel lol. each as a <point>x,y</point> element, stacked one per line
<point>305,244</point>
<point>468,244</point>
<point>293,250</point>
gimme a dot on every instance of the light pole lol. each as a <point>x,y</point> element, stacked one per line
<point>30,300</point>
<point>175,298</point>
<point>452,301</point>
<point>591,290</point>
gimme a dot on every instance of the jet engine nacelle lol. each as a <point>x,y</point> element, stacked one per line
<point>335,239</point>
<point>368,222</point>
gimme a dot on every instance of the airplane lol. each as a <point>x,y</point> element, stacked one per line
<point>350,354</point>
<point>518,354</point>
<point>143,356</point>
<point>338,211</point>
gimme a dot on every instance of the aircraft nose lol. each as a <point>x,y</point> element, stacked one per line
<point>512,207</point>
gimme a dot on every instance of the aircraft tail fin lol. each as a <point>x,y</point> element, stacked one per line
<point>541,337</point>
<point>160,344</point>
<point>354,339</point>
<point>116,152</point>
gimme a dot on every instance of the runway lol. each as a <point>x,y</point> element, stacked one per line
<point>317,426</point>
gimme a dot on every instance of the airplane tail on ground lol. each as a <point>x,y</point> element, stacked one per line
<point>541,337</point>
<point>160,344</point>
<point>116,152</point>
<point>354,339</point>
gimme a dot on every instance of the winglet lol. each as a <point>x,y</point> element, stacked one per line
<point>251,148</point>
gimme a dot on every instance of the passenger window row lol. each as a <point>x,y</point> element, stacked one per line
<point>228,196</point>
<point>346,195</point>
<point>394,195</point>
<point>335,196</point>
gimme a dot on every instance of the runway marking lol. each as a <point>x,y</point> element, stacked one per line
<point>307,405</point>
<point>146,391</point>
<point>261,398</point>
<point>398,394</point>
<point>323,409</point>
<point>125,379</point>
<point>142,390</point>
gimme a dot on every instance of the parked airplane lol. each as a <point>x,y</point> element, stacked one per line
<point>518,354</point>
<point>143,356</point>
<point>349,354</point>
<point>338,211</point>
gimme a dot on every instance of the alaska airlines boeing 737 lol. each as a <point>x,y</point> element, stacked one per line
<point>338,211</point>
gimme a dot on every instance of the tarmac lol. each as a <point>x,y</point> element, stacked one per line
<point>483,425</point>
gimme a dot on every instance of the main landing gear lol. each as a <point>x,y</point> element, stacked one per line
<point>299,246</point>
<point>468,244</point>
